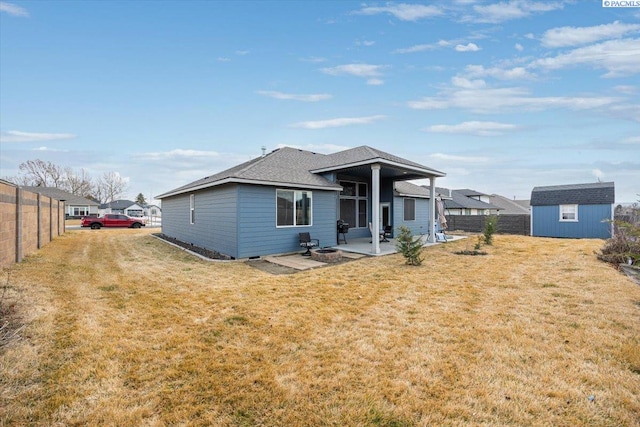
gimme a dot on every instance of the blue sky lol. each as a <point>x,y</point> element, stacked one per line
<point>501,95</point>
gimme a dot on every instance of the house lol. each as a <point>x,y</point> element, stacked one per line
<point>75,206</point>
<point>469,202</point>
<point>509,206</point>
<point>577,211</point>
<point>130,208</point>
<point>259,207</point>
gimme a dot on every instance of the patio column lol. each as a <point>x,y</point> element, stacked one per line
<point>432,209</point>
<point>375,207</point>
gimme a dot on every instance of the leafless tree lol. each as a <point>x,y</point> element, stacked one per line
<point>79,183</point>
<point>111,186</point>
<point>44,174</point>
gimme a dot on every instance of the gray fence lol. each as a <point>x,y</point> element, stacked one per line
<point>507,224</point>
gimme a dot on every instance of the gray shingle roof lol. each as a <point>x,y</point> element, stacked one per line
<point>58,194</point>
<point>508,206</point>
<point>117,204</point>
<point>295,167</point>
<point>405,188</point>
<point>460,201</point>
<point>598,193</point>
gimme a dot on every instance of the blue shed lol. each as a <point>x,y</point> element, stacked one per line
<point>574,211</point>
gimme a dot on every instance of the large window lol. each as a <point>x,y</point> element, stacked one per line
<point>409,209</point>
<point>353,204</point>
<point>293,208</point>
<point>568,212</point>
<point>81,211</point>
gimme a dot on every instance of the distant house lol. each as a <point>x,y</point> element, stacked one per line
<point>75,206</point>
<point>575,211</point>
<point>130,208</point>
<point>259,207</point>
<point>469,202</point>
<point>509,206</point>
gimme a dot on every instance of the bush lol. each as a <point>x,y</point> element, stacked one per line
<point>490,227</point>
<point>409,246</point>
<point>623,246</point>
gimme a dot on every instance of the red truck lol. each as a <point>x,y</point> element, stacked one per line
<point>112,220</point>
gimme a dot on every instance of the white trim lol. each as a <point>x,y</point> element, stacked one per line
<point>378,161</point>
<point>560,212</point>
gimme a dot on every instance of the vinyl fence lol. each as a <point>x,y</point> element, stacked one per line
<point>507,224</point>
<point>28,221</point>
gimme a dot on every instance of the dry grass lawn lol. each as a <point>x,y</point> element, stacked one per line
<point>125,330</point>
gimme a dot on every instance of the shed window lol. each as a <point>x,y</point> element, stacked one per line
<point>293,208</point>
<point>409,209</point>
<point>192,209</point>
<point>568,212</point>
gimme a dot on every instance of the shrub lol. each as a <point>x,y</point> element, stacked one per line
<point>490,227</point>
<point>623,246</point>
<point>409,246</point>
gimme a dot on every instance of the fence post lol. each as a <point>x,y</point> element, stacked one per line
<point>18,224</point>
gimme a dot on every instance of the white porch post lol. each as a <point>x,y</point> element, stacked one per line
<point>375,207</point>
<point>432,209</point>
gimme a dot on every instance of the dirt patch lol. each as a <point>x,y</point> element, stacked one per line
<point>208,253</point>
<point>270,267</point>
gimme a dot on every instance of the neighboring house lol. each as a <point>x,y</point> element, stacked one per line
<point>510,207</point>
<point>470,202</point>
<point>260,207</point>
<point>577,211</point>
<point>75,206</point>
<point>130,208</point>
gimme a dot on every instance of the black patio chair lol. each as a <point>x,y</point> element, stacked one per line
<point>307,242</point>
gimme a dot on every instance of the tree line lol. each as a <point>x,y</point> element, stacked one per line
<point>39,173</point>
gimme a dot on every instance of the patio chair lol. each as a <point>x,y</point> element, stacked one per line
<point>307,242</point>
<point>388,232</point>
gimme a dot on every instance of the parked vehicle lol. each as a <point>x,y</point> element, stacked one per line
<point>112,220</point>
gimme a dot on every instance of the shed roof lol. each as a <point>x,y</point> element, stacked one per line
<point>599,193</point>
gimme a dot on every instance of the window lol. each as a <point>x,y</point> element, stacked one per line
<point>192,209</point>
<point>81,211</point>
<point>409,209</point>
<point>353,204</point>
<point>568,212</point>
<point>293,208</point>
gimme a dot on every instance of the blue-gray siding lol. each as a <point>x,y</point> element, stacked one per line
<point>240,220</point>
<point>421,224</point>
<point>591,222</point>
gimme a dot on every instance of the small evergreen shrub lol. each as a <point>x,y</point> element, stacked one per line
<point>490,227</point>
<point>409,246</point>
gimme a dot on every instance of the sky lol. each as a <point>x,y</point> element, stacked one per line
<point>502,96</point>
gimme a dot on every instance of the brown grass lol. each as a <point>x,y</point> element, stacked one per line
<point>125,330</point>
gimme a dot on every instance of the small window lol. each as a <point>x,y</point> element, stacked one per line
<point>409,209</point>
<point>569,213</point>
<point>192,209</point>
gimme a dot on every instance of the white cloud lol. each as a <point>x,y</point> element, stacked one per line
<point>375,82</point>
<point>498,73</point>
<point>179,153</point>
<point>223,59</point>
<point>313,59</point>
<point>618,57</point>
<point>242,52</point>
<point>597,173</point>
<point>51,150</point>
<point>332,123</point>
<point>358,70</point>
<point>575,36</point>
<point>488,100</point>
<point>467,84</point>
<point>626,89</point>
<point>474,128</point>
<point>470,47</point>
<point>296,97</point>
<point>519,47</point>
<point>18,136</point>
<point>423,47</point>
<point>403,11</point>
<point>514,9</point>
<point>13,10</point>
<point>633,140</point>
<point>459,159</point>
<point>318,148</point>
